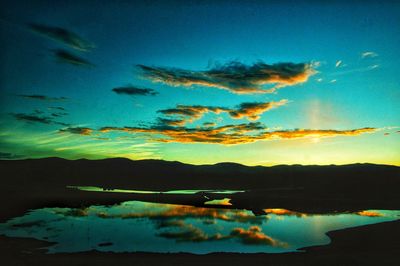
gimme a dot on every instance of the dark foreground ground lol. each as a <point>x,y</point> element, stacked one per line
<point>31,184</point>
<point>376,244</point>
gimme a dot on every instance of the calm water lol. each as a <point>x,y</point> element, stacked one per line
<point>140,226</point>
<point>181,191</point>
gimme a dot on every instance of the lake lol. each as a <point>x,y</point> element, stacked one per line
<point>153,227</point>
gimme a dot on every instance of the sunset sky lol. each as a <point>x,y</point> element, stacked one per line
<point>252,82</point>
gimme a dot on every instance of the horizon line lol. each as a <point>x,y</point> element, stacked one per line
<point>194,164</point>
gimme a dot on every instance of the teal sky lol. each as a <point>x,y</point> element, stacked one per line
<point>336,88</point>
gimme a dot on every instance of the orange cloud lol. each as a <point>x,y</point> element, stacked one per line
<point>232,134</point>
<point>234,76</point>
<point>249,110</point>
<point>253,110</point>
<point>370,213</point>
<point>301,133</point>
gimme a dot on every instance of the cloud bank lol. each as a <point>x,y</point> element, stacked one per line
<point>231,134</point>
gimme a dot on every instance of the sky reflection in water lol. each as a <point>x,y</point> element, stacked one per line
<point>153,227</point>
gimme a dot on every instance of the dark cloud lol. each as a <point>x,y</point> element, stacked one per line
<point>105,244</point>
<point>249,110</point>
<point>234,76</point>
<point>189,113</point>
<point>69,58</point>
<point>253,110</point>
<point>37,119</point>
<point>63,36</point>
<point>57,108</point>
<point>131,90</point>
<point>77,130</point>
<point>43,98</point>
<point>59,114</point>
<point>209,124</point>
<point>171,122</point>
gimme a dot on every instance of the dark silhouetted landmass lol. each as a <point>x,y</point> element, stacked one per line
<point>37,183</point>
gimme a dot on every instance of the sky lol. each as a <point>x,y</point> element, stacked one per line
<point>201,82</point>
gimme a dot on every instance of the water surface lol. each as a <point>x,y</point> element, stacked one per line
<point>140,226</point>
<point>180,191</point>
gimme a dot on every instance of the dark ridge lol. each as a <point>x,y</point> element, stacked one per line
<point>35,183</point>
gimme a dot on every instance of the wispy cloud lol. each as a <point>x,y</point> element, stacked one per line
<point>69,58</point>
<point>209,124</point>
<point>252,111</point>
<point>231,134</point>
<point>171,122</point>
<point>368,54</point>
<point>234,76</point>
<point>59,108</point>
<point>249,110</point>
<point>59,114</point>
<point>45,143</point>
<point>131,90</point>
<point>37,119</point>
<point>44,98</point>
<point>373,66</point>
<point>62,35</point>
<point>10,156</point>
<point>77,130</point>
